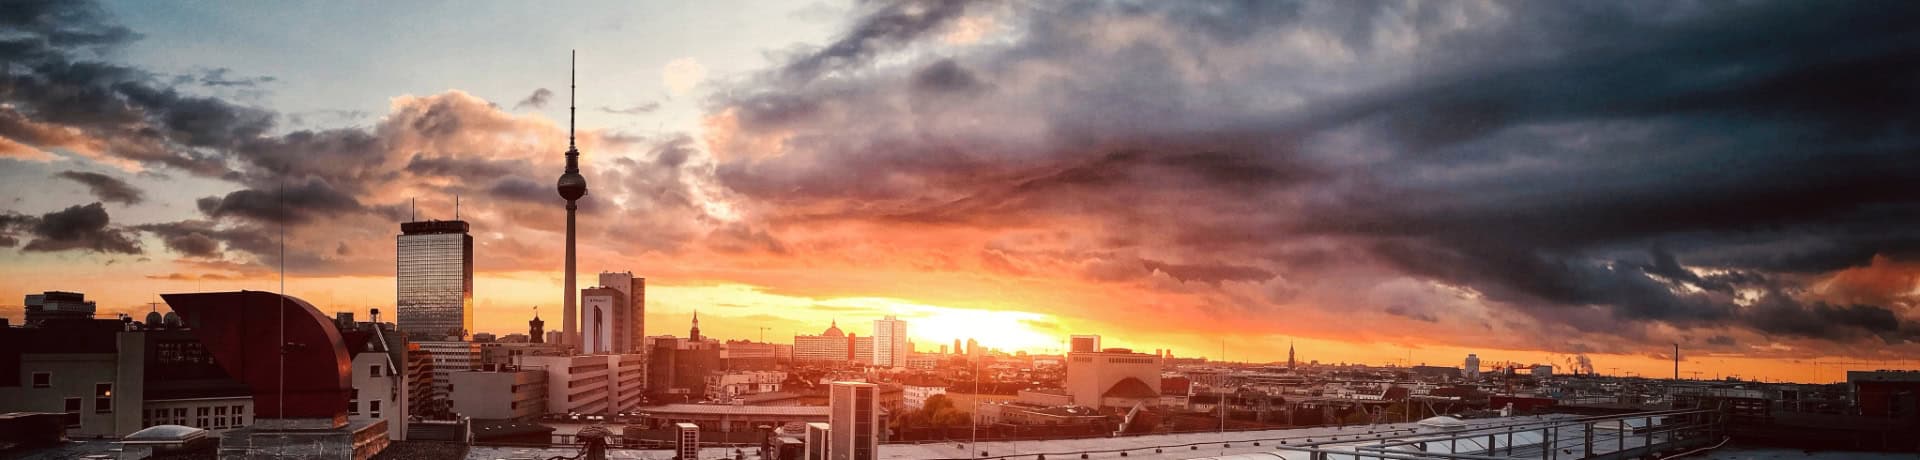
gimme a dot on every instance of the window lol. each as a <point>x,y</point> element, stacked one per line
<point>353,407</point>
<point>102,398</point>
<point>179,415</point>
<point>373,408</point>
<point>43,380</point>
<point>200,417</point>
<point>220,417</point>
<point>373,370</point>
<point>239,418</point>
<point>73,412</point>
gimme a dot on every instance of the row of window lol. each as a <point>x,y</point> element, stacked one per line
<point>214,418</point>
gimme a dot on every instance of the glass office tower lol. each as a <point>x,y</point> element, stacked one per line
<point>434,279</point>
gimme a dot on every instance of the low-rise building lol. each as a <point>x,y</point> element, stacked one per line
<point>1115,377</point>
<point>509,394</point>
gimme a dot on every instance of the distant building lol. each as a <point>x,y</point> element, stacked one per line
<point>1115,377</point>
<point>515,394</point>
<point>830,346</point>
<point>859,349</point>
<point>55,305</point>
<point>433,277</point>
<point>555,337</point>
<point>484,337</point>
<point>915,397</point>
<point>536,329</point>
<point>630,322</point>
<point>587,384</point>
<point>1084,344</point>
<point>1891,394</point>
<point>1542,371</point>
<point>602,310</point>
<point>448,357</point>
<point>1473,367</point>
<point>855,420</point>
<point>678,368</point>
<point>890,347</point>
<point>734,384</point>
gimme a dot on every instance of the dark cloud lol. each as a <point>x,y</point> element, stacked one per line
<point>223,77</point>
<point>1412,313</point>
<point>1720,340</point>
<point>297,202</point>
<point>1209,273</point>
<point>885,26</point>
<point>81,227</point>
<point>1599,167</point>
<point>536,100</point>
<point>106,188</point>
<point>190,238</point>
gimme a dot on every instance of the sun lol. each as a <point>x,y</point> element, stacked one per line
<point>930,326</point>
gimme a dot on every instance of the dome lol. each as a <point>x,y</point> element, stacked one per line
<point>153,319</point>
<point>173,320</point>
<point>833,331</point>
<point>167,433</point>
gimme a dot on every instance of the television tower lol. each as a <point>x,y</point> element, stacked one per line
<point>572,186</point>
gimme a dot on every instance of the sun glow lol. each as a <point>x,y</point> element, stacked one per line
<point>930,326</point>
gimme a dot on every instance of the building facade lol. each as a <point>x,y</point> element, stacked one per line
<point>631,320</point>
<point>516,394</point>
<point>601,311</point>
<point>433,277</point>
<point>854,416</point>
<point>831,346</point>
<point>448,357</point>
<point>890,347</point>
<point>1113,378</point>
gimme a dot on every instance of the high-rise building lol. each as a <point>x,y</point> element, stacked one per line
<point>629,322</point>
<point>890,348</point>
<point>854,417</point>
<point>572,186</point>
<point>1085,344</point>
<point>433,278</point>
<point>957,349</point>
<point>1473,367</point>
<point>600,314</point>
<point>973,349</point>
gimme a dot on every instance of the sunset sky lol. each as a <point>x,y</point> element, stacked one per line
<point>1380,182</point>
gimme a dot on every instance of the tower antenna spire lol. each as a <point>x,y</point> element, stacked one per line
<point>573,64</point>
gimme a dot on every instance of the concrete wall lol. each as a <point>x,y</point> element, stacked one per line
<point>500,395</point>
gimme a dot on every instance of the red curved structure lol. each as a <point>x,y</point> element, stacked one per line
<point>243,332</point>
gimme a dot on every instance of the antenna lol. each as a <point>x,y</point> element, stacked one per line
<point>572,83</point>
<point>456,206</point>
<point>413,210</point>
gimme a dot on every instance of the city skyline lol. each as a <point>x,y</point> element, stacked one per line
<point>1339,183</point>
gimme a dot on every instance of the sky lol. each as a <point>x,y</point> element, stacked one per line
<point>1389,182</point>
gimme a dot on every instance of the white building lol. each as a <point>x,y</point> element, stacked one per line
<point>602,309</point>
<point>735,384</point>
<point>1542,371</point>
<point>380,378</point>
<point>1119,378</point>
<point>830,346</point>
<point>890,348</point>
<point>915,397</point>
<point>590,384</point>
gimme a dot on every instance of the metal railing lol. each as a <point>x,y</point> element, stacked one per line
<point>1600,437</point>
